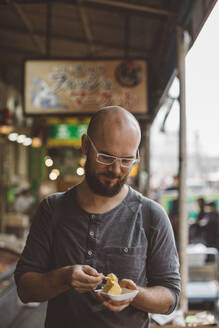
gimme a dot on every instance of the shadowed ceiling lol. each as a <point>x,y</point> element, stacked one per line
<point>99,29</point>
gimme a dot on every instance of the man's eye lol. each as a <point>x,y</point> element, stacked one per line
<point>105,158</point>
<point>127,161</point>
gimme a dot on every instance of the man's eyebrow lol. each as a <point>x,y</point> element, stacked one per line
<point>105,153</point>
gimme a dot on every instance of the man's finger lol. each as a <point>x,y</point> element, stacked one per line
<point>128,283</point>
<point>87,278</point>
<point>116,306</point>
<point>112,305</point>
<point>85,284</point>
<point>90,271</point>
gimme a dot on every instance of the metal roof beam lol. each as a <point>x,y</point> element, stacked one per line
<point>28,25</point>
<point>48,27</point>
<point>130,6</point>
<point>126,35</point>
<point>34,54</point>
<point>86,25</point>
<point>104,44</point>
<point>18,51</point>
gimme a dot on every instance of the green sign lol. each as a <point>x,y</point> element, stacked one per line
<point>66,131</point>
<point>59,135</point>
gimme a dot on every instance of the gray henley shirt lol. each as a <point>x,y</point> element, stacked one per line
<point>134,240</point>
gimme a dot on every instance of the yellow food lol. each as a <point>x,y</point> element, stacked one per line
<point>112,277</point>
<point>112,287</point>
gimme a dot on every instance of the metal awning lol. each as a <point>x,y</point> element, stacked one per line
<point>99,29</point>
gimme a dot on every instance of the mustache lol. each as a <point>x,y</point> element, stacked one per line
<point>111,175</point>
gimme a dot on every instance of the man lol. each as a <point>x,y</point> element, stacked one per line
<point>209,226</point>
<point>195,230</point>
<point>101,226</point>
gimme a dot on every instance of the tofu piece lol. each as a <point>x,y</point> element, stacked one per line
<point>112,287</point>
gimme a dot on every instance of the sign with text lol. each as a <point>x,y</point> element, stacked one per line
<point>83,87</point>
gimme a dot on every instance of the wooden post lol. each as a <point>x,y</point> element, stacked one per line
<point>183,219</point>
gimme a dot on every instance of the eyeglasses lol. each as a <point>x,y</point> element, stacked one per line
<point>109,160</point>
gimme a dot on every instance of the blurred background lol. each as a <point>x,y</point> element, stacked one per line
<point>60,61</point>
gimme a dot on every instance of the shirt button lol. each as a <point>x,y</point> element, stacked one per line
<point>89,252</point>
<point>126,250</point>
<point>92,216</point>
<point>91,233</point>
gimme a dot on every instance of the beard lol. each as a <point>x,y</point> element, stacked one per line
<point>100,188</point>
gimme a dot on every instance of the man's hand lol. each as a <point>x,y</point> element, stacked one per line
<point>83,278</point>
<point>40,287</point>
<point>117,306</point>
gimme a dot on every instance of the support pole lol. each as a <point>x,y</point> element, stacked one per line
<point>183,219</point>
<point>147,160</point>
<point>144,167</point>
<point>3,152</point>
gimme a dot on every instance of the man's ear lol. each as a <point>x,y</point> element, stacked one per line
<point>84,144</point>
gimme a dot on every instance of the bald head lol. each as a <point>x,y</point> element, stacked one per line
<point>116,118</point>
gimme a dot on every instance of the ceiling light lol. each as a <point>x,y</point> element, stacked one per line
<point>21,138</point>
<point>5,129</point>
<point>80,171</point>
<point>27,141</point>
<point>13,136</point>
<point>53,176</point>
<point>49,162</point>
<point>36,142</point>
<point>56,171</point>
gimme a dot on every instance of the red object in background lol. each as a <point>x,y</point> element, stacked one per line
<point>5,116</point>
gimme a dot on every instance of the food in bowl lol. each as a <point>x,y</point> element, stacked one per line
<point>111,286</point>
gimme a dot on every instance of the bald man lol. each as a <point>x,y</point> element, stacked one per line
<point>101,226</point>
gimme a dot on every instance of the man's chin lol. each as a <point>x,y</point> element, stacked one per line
<point>105,190</point>
<point>104,185</point>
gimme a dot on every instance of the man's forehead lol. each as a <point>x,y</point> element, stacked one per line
<point>111,125</point>
<point>115,117</point>
<point>114,134</point>
<point>117,144</point>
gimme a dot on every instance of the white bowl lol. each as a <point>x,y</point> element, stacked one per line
<point>125,295</point>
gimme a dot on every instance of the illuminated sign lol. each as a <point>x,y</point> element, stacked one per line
<point>65,135</point>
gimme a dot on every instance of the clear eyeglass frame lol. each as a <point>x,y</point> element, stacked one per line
<point>109,159</point>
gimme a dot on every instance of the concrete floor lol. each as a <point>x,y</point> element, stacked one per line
<point>33,317</point>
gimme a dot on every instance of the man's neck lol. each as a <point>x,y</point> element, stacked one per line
<point>94,203</point>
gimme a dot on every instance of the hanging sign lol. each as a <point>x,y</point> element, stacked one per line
<point>54,87</point>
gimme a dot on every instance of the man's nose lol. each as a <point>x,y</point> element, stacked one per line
<point>116,167</point>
